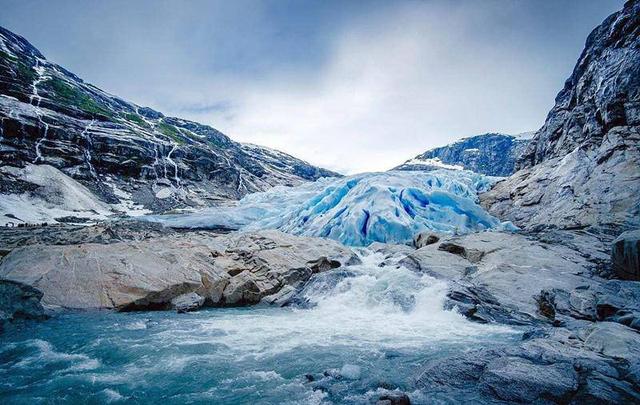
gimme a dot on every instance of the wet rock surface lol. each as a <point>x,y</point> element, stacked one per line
<point>19,301</point>
<point>593,363</point>
<point>584,327</point>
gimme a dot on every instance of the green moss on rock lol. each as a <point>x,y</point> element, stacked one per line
<point>71,96</point>
<point>171,131</point>
<point>135,118</point>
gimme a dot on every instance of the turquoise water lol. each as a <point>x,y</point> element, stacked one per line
<point>362,335</point>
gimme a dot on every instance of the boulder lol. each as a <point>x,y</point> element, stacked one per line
<point>516,379</point>
<point>625,255</point>
<point>473,255</point>
<point>187,302</point>
<point>553,365</point>
<point>177,270</point>
<point>19,301</point>
<point>424,238</point>
<point>500,276</point>
<point>394,398</point>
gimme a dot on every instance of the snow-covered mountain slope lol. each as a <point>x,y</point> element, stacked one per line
<point>582,168</point>
<point>361,209</point>
<point>111,146</point>
<point>491,154</point>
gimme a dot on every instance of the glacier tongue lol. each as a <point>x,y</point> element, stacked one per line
<point>361,209</point>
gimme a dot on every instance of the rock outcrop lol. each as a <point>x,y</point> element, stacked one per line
<point>181,271</point>
<point>583,342</point>
<point>597,363</point>
<point>582,168</point>
<point>19,301</point>
<point>125,154</point>
<point>625,255</point>
<point>490,154</point>
<point>498,277</point>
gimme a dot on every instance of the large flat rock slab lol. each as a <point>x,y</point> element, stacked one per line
<point>234,269</point>
<point>502,272</point>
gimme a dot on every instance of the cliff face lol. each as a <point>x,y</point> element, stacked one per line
<point>113,147</point>
<point>602,93</point>
<point>582,168</point>
<point>491,154</point>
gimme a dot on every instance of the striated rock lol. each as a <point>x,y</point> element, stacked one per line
<point>169,271</point>
<point>582,168</point>
<point>19,301</point>
<point>498,276</point>
<point>625,255</point>
<point>128,156</point>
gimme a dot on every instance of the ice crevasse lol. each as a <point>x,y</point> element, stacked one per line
<point>360,209</point>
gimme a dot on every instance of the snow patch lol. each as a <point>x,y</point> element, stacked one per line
<point>434,162</point>
<point>58,195</point>
<point>127,205</point>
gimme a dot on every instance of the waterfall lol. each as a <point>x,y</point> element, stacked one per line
<point>175,166</point>
<point>40,70</point>
<point>87,152</point>
<point>40,141</point>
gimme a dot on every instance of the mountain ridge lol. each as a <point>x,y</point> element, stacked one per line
<point>491,154</point>
<point>582,168</point>
<point>50,116</point>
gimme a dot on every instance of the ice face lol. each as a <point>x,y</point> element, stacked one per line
<point>358,210</point>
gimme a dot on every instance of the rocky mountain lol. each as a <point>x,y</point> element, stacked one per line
<point>121,154</point>
<point>582,168</point>
<point>491,154</point>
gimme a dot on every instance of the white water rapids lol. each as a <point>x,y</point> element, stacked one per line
<point>364,330</point>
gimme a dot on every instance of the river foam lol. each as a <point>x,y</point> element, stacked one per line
<point>355,333</point>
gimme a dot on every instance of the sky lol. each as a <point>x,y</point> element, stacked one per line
<point>352,86</point>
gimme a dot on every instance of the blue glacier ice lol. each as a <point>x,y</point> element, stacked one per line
<point>360,209</point>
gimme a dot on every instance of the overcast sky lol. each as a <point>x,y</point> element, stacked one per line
<point>349,85</point>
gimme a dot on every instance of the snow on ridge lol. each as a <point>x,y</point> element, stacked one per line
<point>525,135</point>
<point>434,162</point>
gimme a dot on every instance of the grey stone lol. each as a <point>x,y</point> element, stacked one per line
<point>582,168</point>
<point>19,301</point>
<point>150,273</point>
<point>519,380</point>
<point>425,238</point>
<point>394,398</point>
<point>625,255</point>
<point>187,302</point>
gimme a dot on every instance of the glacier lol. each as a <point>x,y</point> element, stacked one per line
<point>360,209</point>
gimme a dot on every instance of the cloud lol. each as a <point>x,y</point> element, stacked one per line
<point>352,86</point>
<point>395,84</point>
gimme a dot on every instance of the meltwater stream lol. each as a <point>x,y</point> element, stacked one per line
<point>357,336</point>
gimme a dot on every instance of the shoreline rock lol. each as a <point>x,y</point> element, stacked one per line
<point>229,270</point>
<point>19,301</point>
